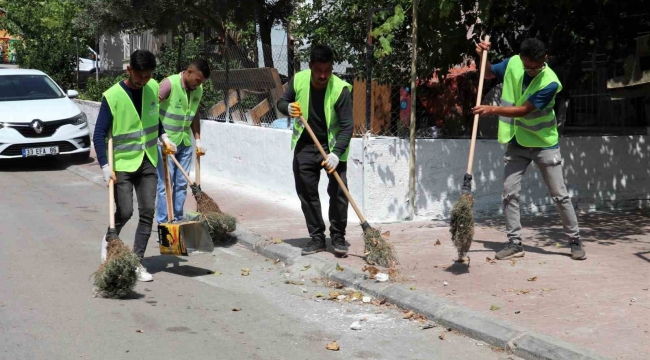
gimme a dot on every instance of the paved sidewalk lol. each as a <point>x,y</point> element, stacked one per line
<point>602,303</point>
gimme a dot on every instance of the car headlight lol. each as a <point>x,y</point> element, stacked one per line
<point>79,119</point>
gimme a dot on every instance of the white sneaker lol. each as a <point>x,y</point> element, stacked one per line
<point>104,248</point>
<point>143,274</point>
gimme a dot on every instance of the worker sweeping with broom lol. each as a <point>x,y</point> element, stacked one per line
<point>129,112</point>
<point>321,137</point>
<point>528,125</point>
<point>180,96</point>
<point>327,104</point>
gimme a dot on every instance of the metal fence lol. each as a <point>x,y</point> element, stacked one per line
<point>248,81</point>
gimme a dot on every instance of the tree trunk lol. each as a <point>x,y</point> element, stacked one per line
<point>265,35</point>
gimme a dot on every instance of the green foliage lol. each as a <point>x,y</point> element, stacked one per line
<point>95,89</point>
<point>48,31</point>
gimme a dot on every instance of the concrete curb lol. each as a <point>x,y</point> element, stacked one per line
<point>87,174</point>
<point>524,343</point>
<point>521,342</point>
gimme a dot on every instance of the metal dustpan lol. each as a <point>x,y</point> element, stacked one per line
<point>180,238</point>
<point>183,238</point>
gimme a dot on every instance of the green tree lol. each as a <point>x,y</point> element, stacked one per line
<point>49,35</point>
<point>228,19</point>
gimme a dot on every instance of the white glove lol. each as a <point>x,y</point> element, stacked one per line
<point>200,149</point>
<point>168,143</point>
<point>108,174</point>
<point>331,162</point>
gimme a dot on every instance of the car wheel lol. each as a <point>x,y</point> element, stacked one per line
<point>80,157</point>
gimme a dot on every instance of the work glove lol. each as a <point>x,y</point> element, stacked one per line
<point>108,174</point>
<point>294,110</point>
<point>200,150</point>
<point>169,145</point>
<point>331,163</point>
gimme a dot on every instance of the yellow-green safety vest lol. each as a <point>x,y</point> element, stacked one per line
<point>133,135</point>
<point>302,86</point>
<point>537,129</point>
<point>177,114</point>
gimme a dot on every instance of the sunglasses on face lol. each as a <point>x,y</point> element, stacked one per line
<point>535,69</point>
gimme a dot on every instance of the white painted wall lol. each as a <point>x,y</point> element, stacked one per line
<point>602,173</point>
<point>261,157</point>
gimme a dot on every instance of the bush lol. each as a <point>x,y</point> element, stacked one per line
<point>95,88</point>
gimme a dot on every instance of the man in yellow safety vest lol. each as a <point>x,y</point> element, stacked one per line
<point>129,110</point>
<point>180,96</point>
<point>527,124</point>
<point>327,103</point>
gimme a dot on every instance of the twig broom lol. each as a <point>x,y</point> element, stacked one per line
<point>462,215</point>
<point>378,250</point>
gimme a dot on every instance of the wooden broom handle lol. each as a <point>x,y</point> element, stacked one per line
<point>168,186</point>
<point>336,174</point>
<point>479,94</point>
<point>198,169</point>
<point>178,165</point>
<point>111,184</point>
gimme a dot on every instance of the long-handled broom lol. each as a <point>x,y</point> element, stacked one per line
<point>116,277</point>
<point>218,222</point>
<point>378,249</point>
<point>462,215</point>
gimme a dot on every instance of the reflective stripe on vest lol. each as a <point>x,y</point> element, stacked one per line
<point>302,86</point>
<point>177,114</point>
<point>133,135</point>
<point>538,128</point>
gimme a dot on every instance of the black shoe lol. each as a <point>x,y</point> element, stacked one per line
<point>315,245</point>
<point>339,244</point>
<point>577,251</point>
<point>511,250</point>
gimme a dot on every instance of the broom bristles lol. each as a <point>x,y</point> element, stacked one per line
<point>117,277</point>
<point>462,224</point>
<point>205,204</point>
<point>379,251</point>
<point>219,224</point>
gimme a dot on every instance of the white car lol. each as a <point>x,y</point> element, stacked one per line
<point>37,118</point>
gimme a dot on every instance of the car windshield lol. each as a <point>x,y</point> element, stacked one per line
<point>28,87</point>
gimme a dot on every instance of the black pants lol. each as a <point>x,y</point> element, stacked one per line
<point>145,181</point>
<point>306,172</point>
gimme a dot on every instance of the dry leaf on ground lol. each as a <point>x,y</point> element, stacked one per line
<point>357,295</point>
<point>306,267</point>
<point>438,243</point>
<point>558,245</point>
<point>546,289</point>
<point>494,308</point>
<point>339,267</point>
<point>413,288</point>
<point>513,262</point>
<point>217,273</point>
<point>524,292</point>
<point>277,241</point>
<point>442,336</point>
<point>409,314</point>
<point>236,309</point>
<point>245,271</point>
<point>491,261</point>
<point>334,294</point>
<point>334,346</point>
<point>139,331</point>
<point>386,234</point>
<point>277,261</point>
<point>534,278</point>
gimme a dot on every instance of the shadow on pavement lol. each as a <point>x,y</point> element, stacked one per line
<point>40,164</point>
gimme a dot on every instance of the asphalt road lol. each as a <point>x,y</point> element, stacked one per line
<point>51,225</point>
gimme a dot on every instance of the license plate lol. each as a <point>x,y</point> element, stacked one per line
<point>42,151</point>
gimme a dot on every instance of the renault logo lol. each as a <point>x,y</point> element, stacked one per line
<point>37,125</point>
